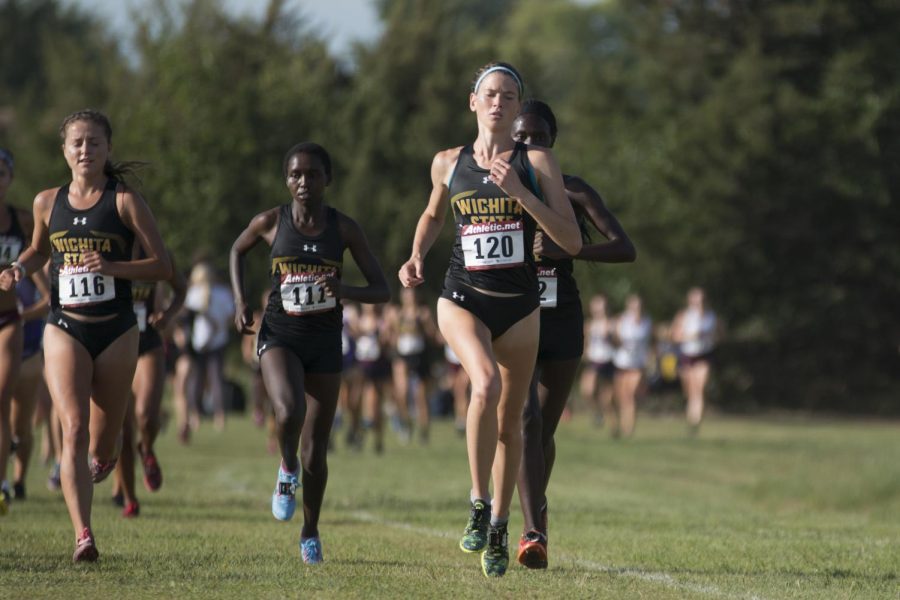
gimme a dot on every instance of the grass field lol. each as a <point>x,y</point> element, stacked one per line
<point>750,509</point>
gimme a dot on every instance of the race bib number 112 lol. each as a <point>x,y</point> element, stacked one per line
<point>547,285</point>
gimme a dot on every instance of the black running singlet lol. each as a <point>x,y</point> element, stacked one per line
<point>494,234</point>
<point>73,288</point>
<point>297,261</point>
<point>143,293</point>
<point>556,278</point>
<point>13,241</point>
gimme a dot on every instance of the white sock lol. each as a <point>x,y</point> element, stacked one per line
<point>499,521</point>
<point>473,498</point>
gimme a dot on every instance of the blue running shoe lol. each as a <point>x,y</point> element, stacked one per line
<point>311,550</point>
<point>283,501</point>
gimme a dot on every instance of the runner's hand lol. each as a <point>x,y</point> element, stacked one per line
<point>544,246</point>
<point>331,285</point>
<point>243,320</point>
<point>412,272</point>
<point>506,177</point>
<point>95,262</point>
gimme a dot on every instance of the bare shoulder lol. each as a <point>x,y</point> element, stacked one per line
<point>348,225</point>
<point>43,202</point>
<point>444,161</point>
<point>447,157</point>
<point>581,192</point>
<point>127,194</point>
<point>265,220</point>
<point>576,184</point>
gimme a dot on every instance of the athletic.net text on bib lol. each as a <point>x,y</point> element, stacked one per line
<point>300,295</point>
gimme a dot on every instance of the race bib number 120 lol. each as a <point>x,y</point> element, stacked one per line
<point>497,245</point>
<point>300,295</point>
<point>80,287</point>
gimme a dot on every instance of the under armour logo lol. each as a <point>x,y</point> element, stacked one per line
<point>486,179</point>
<point>309,248</point>
<point>62,323</point>
<point>83,220</point>
<point>459,297</point>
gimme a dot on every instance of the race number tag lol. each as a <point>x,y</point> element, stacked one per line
<point>80,287</point>
<point>140,311</point>
<point>409,344</point>
<point>497,245</point>
<point>367,348</point>
<point>10,247</point>
<point>547,285</point>
<point>301,296</point>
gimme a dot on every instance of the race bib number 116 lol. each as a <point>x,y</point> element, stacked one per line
<point>79,287</point>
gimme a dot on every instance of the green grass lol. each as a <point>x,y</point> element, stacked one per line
<point>750,509</point>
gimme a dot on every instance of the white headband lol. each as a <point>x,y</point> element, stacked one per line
<point>503,69</point>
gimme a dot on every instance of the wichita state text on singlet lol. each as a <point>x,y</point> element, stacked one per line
<point>73,232</point>
<point>556,279</point>
<point>494,234</point>
<point>297,262</point>
<point>13,241</point>
<point>143,294</point>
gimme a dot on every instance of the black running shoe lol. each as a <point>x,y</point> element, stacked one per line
<point>475,536</point>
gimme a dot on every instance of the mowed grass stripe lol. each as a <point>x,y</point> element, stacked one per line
<point>751,509</point>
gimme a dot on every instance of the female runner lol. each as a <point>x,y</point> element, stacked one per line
<point>562,331</point>
<point>34,297</point>
<point>412,330</point>
<point>633,330</point>
<point>300,334</point>
<point>694,330</point>
<point>148,385</point>
<point>16,225</point>
<point>500,191</point>
<point>87,228</point>
<point>597,373</point>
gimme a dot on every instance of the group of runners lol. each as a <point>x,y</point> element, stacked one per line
<point>626,355</point>
<point>509,313</point>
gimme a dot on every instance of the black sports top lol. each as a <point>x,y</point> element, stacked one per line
<point>298,260</point>
<point>74,231</point>
<point>556,277</point>
<point>494,234</point>
<point>13,241</point>
<point>144,295</point>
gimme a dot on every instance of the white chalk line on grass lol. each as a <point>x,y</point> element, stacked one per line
<point>657,577</point>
